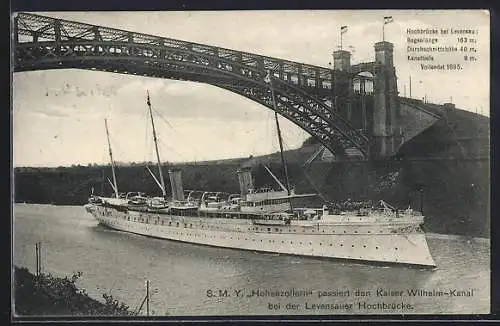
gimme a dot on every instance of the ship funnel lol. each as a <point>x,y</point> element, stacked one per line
<point>245,180</point>
<point>176,184</point>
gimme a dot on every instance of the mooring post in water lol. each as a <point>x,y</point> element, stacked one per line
<point>38,258</point>
<point>147,298</point>
<point>422,200</point>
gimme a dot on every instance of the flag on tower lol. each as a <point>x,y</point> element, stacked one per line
<point>388,19</point>
<point>343,29</point>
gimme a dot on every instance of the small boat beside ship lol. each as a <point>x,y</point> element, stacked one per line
<point>265,220</point>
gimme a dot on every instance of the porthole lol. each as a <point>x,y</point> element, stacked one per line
<point>376,247</point>
<point>320,244</point>
<point>282,241</point>
<point>352,246</point>
<point>269,241</point>
<point>369,231</point>
<point>341,245</point>
<point>344,231</point>
<point>355,231</point>
<point>364,246</point>
<point>396,248</point>
<point>330,244</point>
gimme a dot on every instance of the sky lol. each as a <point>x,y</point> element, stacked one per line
<point>58,115</point>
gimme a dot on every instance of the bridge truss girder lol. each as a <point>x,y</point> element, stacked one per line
<point>154,59</point>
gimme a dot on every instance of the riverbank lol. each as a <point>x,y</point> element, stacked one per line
<point>49,295</point>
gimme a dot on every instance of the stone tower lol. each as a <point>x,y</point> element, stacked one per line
<point>341,60</point>
<point>342,83</point>
<point>386,133</point>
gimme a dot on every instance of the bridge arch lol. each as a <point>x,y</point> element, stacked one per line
<point>50,43</point>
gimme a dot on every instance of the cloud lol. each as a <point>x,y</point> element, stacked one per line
<point>54,111</point>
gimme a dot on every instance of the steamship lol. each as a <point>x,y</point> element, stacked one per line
<point>264,220</point>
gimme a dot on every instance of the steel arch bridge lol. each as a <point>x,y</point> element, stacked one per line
<point>301,90</point>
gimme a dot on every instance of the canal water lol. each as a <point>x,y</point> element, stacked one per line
<point>194,280</point>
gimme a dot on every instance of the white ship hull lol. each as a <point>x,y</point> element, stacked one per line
<point>365,240</point>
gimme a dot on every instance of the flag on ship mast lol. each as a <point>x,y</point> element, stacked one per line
<point>148,102</point>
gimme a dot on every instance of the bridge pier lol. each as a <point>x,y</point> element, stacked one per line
<point>342,83</point>
<point>386,136</point>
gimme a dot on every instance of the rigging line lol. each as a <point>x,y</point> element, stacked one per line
<point>161,117</point>
<point>169,148</point>
<point>117,148</point>
<point>184,138</point>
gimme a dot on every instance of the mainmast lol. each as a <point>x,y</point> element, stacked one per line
<point>115,188</point>
<point>283,162</point>
<point>164,193</point>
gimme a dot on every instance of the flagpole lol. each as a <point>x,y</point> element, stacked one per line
<point>341,38</point>
<point>387,20</point>
<point>383,31</point>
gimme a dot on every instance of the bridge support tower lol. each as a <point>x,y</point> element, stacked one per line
<point>386,134</point>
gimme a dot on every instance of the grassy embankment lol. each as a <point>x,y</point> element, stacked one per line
<point>46,295</point>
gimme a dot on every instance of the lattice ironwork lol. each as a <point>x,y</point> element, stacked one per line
<point>47,43</point>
